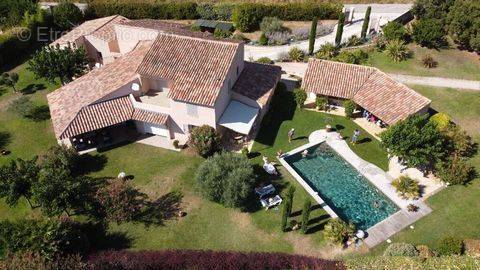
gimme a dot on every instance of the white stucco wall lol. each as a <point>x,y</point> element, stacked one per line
<point>102,47</point>
<point>128,37</point>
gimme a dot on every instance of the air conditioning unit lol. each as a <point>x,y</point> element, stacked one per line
<point>135,87</point>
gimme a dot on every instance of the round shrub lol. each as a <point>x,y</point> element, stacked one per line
<point>264,60</point>
<point>394,31</point>
<point>356,57</point>
<point>396,50</point>
<point>66,15</point>
<point>271,24</point>
<point>296,54</point>
<point>226,178</point>
<point>401,249</point>
<point>300,96</point>
<point>321,102</point>
<point>425,252</point>
<point>263,40</point>
<point>247,17</point>
<point>327,51</point>
<point>337,231</point>
<point>441,120</point>
<point>220,33</point>
<point>205,140</point>
<point>428,33</point>
<point>349,108</point>
<point>407,187</point>
<point>450,245</point>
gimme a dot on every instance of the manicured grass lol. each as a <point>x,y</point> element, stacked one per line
<point>455,209</point>
<point>452,63</point>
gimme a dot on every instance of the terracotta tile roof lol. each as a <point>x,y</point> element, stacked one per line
<point>391,101</point>
<point>258,81</point>
<point>150,117</point>
<point>100,115</point>
<point>107,31</point>
<point>367,86</point>
<point>66,102</point>
<point>167,27</point>
<point>195,68</point>
<point>334,78</point>
<point>84,29</point>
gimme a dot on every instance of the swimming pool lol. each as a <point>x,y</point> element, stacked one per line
<point>350,195</point>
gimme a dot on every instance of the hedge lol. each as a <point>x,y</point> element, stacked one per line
<point>219,11</point>
<point>414,263</point>
<point>190,259</point>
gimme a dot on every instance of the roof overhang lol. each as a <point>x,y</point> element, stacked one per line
<point>239,117</point>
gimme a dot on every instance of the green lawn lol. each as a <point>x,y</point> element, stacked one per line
<point>452,63</point>
<point>455,209</point>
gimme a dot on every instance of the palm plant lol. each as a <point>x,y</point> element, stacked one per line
<point>406,187</point>
<point>396,50</point>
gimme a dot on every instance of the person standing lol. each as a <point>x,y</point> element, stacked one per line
<point>291,133</point>
<point>356,133</point>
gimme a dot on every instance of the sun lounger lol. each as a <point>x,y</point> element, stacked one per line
<point>269,168</point>
<point>265,190</point>
<point>271,201</point>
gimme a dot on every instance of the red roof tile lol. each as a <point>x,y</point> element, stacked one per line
<point>195,68</point>
<point>367,86</point>
<point>258,81</point>
<point>107,31</point>
<point>150,117</point>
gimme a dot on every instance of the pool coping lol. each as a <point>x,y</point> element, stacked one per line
<point>376,176</point>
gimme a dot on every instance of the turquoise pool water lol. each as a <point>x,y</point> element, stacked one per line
<point>342,187</point>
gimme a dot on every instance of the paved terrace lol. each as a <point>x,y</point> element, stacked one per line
<point>380,179</point>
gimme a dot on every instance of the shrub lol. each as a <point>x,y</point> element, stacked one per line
<point>271,24</point>
<point>429,62</point>
<point>338,36</point>
<point>176,144</point>
<point>239,36</point>
<point>226,178</point>
<point>327,51</point>
<point>264,60</point>
<point>205,140</point>
<point>354,41</point>
<point>380,43</point>
<point>394,31</point>
<point>413,263</point>
<point>321,102</point>
<point>428,33</point>
<point>263,40</point>
<point>36,260</point>
<point>12,12</point>
<point>306,214</point>
<point>197,259</point>
<point>337,231</point>
<point>223,11</point>
<point>278,38</point>
<point>396,50</point>
<point>401,249</point>
<point>300,96</point>
<point>406,187</point>
<point>366,21</point>
<point>246,17</point>
<point>450,245</point>
<point>206,11</point>
<point>22,106</point>
<point>425,252</point>
<point>454,170</point>
<point>349,108</point>
<point>195,28</point>
<point>220,33</point>
<point>66,15</point>
<point>296,54</point>
<point>356,56</point>
<point>441,120</point>
<point>245,151</point>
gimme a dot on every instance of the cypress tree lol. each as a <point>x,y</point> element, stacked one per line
<point>306,214</point>
<point>313,35</point>
<point>366,20</point>
<point>341,22</point>
<point>286,211</point>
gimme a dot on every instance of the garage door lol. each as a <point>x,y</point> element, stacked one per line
<point>160,130</point>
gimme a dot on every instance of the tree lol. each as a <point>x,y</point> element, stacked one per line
<point>60,157</point>
<point>226,178</point>
<point>205,140</point>
<point>394,31</point>
<point>306,214</point>
<point>300,96</point>
<point>286,212</point>
<point>338,36</point>
<point>337,231</point>
<point>9,80</point>
<point>350,107</point>
<point>327,51</point>
<point>312,36</point>
<point>396,50</point>
<point>66,15</point>
<point>454,171</point>
<point>415,140</point>
<point>463,23</point>
<point>459,143</point>
<point>366,21</point>
<point>428,33</point>
<point>55,62</point>
<point>407,187</point>
<point>16,180</point>
<point>119,201</point>
<point>246,17</point>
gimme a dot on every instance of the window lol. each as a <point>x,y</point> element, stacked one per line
<point>192,110</point>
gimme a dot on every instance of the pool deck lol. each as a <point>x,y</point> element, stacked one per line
<point>380,179</point>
